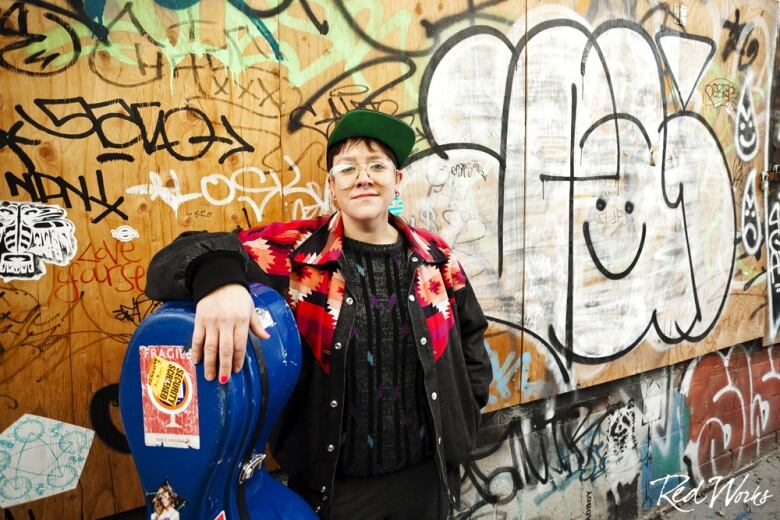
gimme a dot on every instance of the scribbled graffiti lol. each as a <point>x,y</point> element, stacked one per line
<point>720,93</point>
<point>611,448</point>
<point>32,235</point>
<point>139,308</point>
<point>772,216</point>
<point>305,201</point>
<point>27,326</point>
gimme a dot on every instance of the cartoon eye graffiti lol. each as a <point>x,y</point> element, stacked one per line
<point>746,133</point>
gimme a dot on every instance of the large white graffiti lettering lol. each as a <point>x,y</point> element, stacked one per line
<point>602,232</point>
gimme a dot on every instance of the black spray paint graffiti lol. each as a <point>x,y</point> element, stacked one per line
<point>28,325</point>
<point>100,406</point>
<point>745,131</point>
<point>17,55</point>
<point>574,442</point>
<point>31,234</point>
<point>41,187</point>
<point>772,212</point>
<point>139,308</point>
<point>370,101</point>
<point>155,128</point>
<point>752,232</point>
<point>600,138</point>
<point>739,38</point>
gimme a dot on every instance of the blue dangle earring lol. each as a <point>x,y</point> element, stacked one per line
<point>397,206</point>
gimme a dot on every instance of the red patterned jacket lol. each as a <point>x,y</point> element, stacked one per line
<point>303,261</point>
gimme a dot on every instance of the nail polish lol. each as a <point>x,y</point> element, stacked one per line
<point>223,379</point>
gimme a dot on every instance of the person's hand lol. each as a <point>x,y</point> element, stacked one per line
<point>222,322</point>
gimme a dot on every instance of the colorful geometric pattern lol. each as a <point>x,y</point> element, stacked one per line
<point>307,253</point>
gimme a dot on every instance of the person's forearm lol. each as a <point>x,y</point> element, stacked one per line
<point>172,271</point>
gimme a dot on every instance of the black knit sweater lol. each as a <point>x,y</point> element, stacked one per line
<point>387,423</point>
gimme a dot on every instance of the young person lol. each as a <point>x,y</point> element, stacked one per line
<point>394,365</point>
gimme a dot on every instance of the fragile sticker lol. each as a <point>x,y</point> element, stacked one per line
<point>170,397</point>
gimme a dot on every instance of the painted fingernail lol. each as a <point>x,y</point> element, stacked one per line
<point>223,379</point>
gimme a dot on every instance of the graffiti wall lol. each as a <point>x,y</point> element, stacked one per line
<point>668,438</point>
<point>598,167</point>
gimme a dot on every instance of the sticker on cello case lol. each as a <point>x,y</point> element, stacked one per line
<point>170,397</point>
<point>166,503</point>
<point>221,516</point>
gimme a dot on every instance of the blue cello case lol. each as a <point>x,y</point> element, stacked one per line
<point>220,475</point>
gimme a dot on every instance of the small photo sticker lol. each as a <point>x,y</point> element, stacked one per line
<point>170,397</point>
<point>166,503</point>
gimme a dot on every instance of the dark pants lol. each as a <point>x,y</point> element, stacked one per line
<point>415,492</point>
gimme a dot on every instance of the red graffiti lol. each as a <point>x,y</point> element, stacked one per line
<point>105,264</point>
<point>734,402</point>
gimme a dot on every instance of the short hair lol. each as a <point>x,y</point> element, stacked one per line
<point>371,143</point>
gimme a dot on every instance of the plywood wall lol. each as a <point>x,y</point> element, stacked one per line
<point>595,164</point>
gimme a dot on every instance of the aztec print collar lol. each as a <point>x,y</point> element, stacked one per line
<point>325,244</point>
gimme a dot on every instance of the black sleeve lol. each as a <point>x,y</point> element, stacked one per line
<point>472,324</point>
<point>196,263</point>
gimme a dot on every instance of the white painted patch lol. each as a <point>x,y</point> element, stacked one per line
<point>125,233</point>
<point>40,457</point>
<point>687,57</point>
